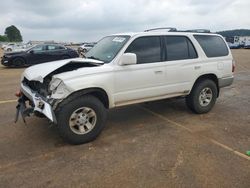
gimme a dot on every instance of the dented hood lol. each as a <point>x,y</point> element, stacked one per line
<point>39,72</point>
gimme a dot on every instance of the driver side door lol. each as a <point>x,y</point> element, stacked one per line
<point>37,54</point>
<point>145,79</point>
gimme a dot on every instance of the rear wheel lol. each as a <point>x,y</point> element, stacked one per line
<point>18,62</point>
<point>202,97</point>
<point>81,120</point>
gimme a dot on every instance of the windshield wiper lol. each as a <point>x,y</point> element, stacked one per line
<point>92,57</point>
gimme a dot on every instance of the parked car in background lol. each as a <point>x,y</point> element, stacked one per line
<point>85,48</point>
<point>247,45</point>
<point>14,47</point>
<point>8,47</point>
<point>38,54</point>
<point>233,45</point>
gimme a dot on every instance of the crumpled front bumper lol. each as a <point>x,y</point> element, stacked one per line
<point>39,103</point>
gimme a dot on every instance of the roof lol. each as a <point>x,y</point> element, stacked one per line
<point>156,33</point>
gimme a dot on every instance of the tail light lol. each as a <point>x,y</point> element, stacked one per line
<point>233,66</point>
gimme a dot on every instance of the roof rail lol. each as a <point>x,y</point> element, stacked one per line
<point>171,29</point>
<point>197,31</point>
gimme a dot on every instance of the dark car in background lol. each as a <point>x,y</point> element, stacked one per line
<point>38,54</point>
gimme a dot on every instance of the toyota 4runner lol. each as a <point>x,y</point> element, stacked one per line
<point>124,69</point>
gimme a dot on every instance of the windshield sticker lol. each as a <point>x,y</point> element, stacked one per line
<point>118,39</point>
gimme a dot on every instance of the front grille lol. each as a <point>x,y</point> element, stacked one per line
<point>36,86</point>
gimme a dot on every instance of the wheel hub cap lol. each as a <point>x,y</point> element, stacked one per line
<point>205,97</point>
<point>82,120</point>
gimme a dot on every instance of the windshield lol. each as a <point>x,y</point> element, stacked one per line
<point>107,48</point>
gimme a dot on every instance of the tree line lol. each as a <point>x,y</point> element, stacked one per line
<point>11,34</point>
<point>235,32</point>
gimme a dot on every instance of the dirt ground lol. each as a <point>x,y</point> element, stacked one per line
<point>157,144</point>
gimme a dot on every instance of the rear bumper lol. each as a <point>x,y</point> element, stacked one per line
<point>226,81</point>
<point>40,103</point>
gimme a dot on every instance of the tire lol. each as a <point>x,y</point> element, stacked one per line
<point>202,97</point>
<point>73,115</point>
<point>9,50</point>
<point>18,62</point>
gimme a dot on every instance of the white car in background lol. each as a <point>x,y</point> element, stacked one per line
<point>14,47</point>
<point>247,45</point>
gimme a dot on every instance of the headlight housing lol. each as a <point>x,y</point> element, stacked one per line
<point>54,84</point>
<point>58,89</point>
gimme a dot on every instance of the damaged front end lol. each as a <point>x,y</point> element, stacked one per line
<point>31,102</point>
<point>41,93</point>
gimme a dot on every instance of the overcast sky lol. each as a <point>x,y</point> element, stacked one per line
<point>89,20</point>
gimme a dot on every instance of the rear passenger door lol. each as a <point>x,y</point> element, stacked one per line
<point>145,79</point>
<point>181,61</point>
<point>54,52</point>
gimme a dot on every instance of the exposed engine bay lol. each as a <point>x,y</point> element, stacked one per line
<point>43,88</point>
<point>36,95</point>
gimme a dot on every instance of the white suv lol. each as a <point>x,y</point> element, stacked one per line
<point>124,69</point>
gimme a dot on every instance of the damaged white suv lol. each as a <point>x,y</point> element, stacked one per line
<point>123,69</point>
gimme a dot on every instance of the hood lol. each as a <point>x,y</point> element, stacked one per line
<point>39,72</point>
<point>15,53</point>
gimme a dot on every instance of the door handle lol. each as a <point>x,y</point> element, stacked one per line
<point>197,67</point>
<point>158,72</point>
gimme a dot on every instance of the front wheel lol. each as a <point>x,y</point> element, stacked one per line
<point>19,62</point>
<point>202,97</point>
<point>81,120</point>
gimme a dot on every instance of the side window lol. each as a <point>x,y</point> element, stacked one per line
<point>213,46</point>
<point>147,49</point>
<point>52,47</point>
<point>38,48</point>
<point>179,48</point>
<point>60,47</point>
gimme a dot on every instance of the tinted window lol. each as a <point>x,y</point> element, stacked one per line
<point>38,48</point>
<point>55,47</point>
<point>179,47</point>
<point>51,47</point>
<point>147,49</point>
<point>213,46</point>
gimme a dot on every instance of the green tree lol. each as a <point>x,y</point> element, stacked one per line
<point>3,38</point>
<point>13,34</point>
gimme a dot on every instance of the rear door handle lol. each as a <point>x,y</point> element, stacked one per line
<point>197,67</point>
<point>158,72</point>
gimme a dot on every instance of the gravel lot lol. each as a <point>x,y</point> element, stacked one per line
<point>156,144</point>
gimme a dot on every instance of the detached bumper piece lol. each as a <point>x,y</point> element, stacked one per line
<point>37,104</point>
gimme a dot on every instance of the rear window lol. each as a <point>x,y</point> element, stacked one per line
<point>213,46</point>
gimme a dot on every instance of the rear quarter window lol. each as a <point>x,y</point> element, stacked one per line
<point>213,46</point>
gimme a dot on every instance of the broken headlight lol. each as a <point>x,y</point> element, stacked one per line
<point>54,84</point>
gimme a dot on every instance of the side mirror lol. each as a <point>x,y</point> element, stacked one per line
<point>128,59</point>
<point>31,51</point>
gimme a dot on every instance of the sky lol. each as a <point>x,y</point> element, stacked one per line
<point>90,20</point>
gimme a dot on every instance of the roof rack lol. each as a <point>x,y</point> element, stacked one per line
<point>172,29</point>
<point>196,31</point>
